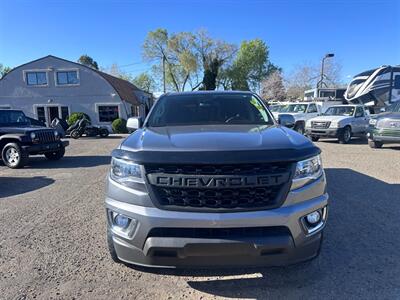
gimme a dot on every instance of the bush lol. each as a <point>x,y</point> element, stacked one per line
<point>119,126</point>
<point>76,116</point>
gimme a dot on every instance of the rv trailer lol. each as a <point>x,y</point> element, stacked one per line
<point>375,88</point>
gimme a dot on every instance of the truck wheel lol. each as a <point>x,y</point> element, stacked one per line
<point>104,132</point>
<point>75,134</point>
<point>375,144</point>
<point>315,138</point>
<point>111,248</point>
<point>56,155</point>
<point>299,127</point>
<point>14,156</point>
<point>345,135</point>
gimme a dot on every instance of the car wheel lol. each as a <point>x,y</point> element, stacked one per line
<point>375,144</point>
<point>104,132</point>
<point>345,136</point>
<point>56,155</point>
<point>75,134</point>
<point>14,156</point>
<point>111,248</point>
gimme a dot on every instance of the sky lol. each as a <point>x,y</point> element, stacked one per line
<point>363,34</point>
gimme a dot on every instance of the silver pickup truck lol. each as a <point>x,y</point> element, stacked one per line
<point>339,121</point>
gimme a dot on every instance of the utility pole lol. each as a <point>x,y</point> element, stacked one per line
<point>321,81</point>
<point>163,68</point>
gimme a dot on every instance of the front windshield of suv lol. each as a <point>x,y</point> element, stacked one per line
<point>340,111</point>
<point>395,107</point>
<point>208,109</point>
<point>295,108</point>
<point>12,118</point>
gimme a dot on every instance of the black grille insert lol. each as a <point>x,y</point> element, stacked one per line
<point>45,136</point>
<point>320,124</point>
<point>228,198</point>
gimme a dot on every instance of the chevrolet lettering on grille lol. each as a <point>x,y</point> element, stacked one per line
<point>216,181</point>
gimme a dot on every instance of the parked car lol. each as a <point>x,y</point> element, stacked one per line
<point>384,128</point>
<point>19,139</point>
<point>301,111</point>
<point>211,179</point>
<point>339,121</point>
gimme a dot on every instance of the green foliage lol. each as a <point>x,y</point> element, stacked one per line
<point>119,126</point>
<point>145,82</point>
<point>76,116</point>
<point>88,61</point>
<point>4,70</point>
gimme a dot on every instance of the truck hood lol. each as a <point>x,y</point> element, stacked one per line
<point>212,141</point>
<point>388,115</point>
<point>330,118</point>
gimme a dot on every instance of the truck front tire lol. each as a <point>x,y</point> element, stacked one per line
<point>375,144</point>
<point>14,156</point>
<point>345,135</point>
<point>111,248</point>
<point>55,155</point>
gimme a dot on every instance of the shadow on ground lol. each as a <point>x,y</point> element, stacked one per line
<point>40,162</point>
<point>359,255</point>
<point>11,186</point>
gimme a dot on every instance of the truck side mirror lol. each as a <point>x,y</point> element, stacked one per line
<point>286,120</point>
<point>134,123</point>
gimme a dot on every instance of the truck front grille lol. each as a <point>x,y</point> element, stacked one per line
<point>320,124</point>
<point>178,196</point>
<point>45,136</point>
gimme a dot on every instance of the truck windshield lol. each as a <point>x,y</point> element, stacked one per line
<point>203,109</point>
<point>296,108</point>
<point>340,111</point>
<point>275,108</point>
<point>395,107</point>
<point>12,118</point>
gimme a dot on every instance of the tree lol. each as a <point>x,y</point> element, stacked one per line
<point>272,87</point>
<point>306,76</point>
<point>145,82</point>
<point>4,70</point>
<point>250,66</point>
<point>88,61</point>
<point>213,54</point>
<point>115,70</point>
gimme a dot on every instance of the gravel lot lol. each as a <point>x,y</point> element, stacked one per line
<point>53,244</point>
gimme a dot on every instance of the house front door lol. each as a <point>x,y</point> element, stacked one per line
<point>52,113</point>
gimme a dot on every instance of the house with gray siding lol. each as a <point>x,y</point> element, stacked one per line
<point>52,87</point>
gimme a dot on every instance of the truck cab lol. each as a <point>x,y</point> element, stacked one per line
<point>339,121</point>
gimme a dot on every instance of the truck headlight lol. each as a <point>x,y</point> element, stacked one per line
<point>307,171</point>
<point>334,124</point>
<point>125,172</point>
<point>33,135</point>
<point>56,135</point>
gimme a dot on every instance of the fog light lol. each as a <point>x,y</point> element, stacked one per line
<point>121,221</point>
<point>313,218</point>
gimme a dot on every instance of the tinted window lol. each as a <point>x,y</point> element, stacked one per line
<point>36,78</point>
<point>208,109</point>
<point>359,112</point>
<point>296,108</point>
<point>67,77</point>
<point>108,113</point>
<point>12,118</point>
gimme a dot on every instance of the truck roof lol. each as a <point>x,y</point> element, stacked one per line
<point>208,93</point>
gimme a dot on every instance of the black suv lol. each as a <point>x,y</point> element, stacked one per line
<point>384,128</point>
<point>19,139</point>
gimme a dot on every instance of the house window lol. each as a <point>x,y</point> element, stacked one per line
<point>134,111</point>
<point>36,78</point>
<point>67,77</point>
<point>108,113</point>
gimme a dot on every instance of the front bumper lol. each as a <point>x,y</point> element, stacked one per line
<point>333,133</point>
<point>289,243</point>
<point>384,135</point>
<point>43,148</point>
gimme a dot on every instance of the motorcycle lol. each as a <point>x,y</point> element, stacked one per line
<point>79,128</point>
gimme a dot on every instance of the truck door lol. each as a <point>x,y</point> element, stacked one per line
<point>312,111</point>
<point>361,121</point>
